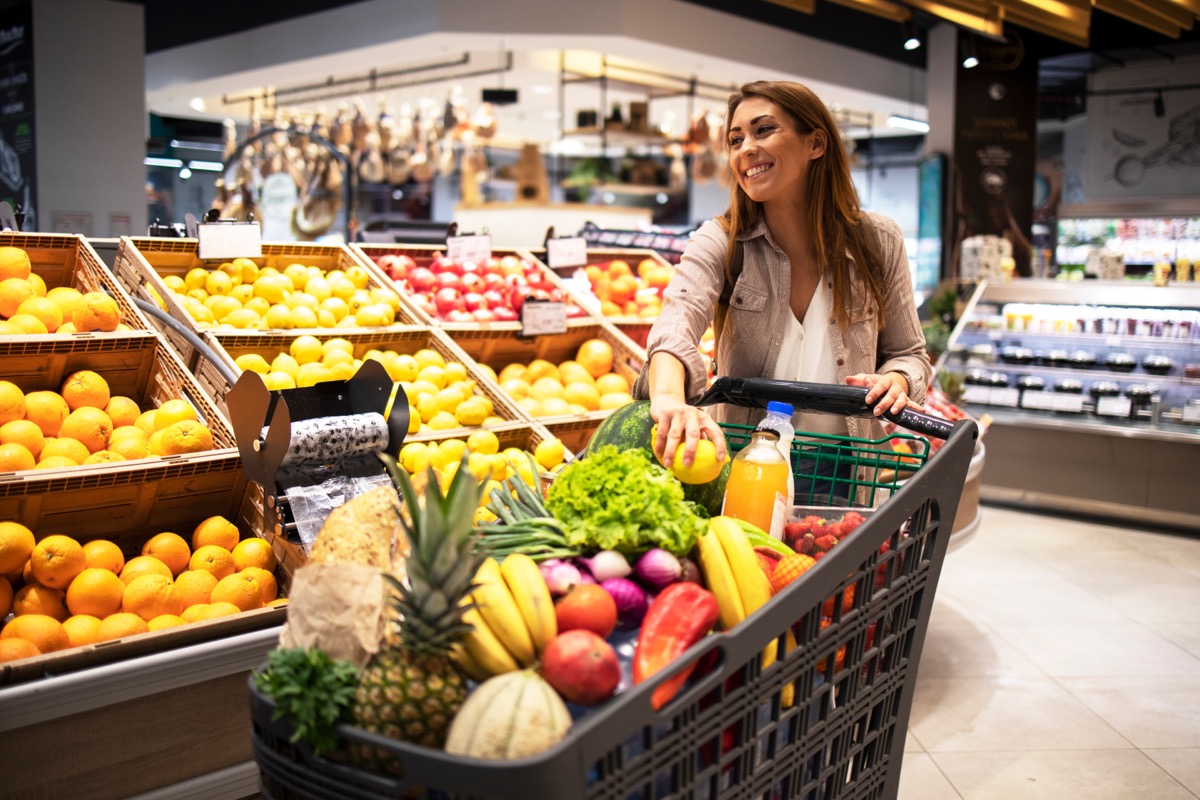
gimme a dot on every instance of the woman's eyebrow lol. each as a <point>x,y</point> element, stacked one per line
<point>752,122</point>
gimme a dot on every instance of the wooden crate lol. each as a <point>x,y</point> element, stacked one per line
<point>498,352</point>
<point>406,340</point>
<point>138,365</point>
<point>368,255</point>
<point>142,263</point>
<point>62,260</point>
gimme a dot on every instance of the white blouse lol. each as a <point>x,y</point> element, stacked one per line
<point>807,355</point>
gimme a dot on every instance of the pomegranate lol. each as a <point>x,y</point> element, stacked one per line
<point>581,667</point>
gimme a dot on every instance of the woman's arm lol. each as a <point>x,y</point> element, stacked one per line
<point>677,421</point>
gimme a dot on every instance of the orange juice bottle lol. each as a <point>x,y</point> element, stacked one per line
<point>757,488</point>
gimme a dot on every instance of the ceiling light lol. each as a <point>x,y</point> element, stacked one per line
<point>184,174</point>
<point>155,161</point>
<point>912,39</point>
<point>206,166</point>
<point>970,62</point>
<point>197,104</point>
<point>908,123</point>
<point>912,43</point>
<point>543,88</point>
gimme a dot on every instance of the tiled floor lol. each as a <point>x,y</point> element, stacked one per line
<point>1062,662</point>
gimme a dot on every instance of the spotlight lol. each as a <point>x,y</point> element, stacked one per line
<point>912,39</point>
<point>184,174</point>
<point>970,62</point>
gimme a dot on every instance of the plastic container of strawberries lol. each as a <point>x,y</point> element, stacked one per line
<point>729,732</point>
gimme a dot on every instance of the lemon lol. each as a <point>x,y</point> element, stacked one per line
<point>434,374</point>
<point>342,372</point>
<point>272,288</point>
<point>252,362</point>
<point>195,278</point>
<point>303,300</point>
<point>259,305</point>
<point>484,442</point>
<point>285,363</point>
<point>426,357</point>
<point>248,269</point>
<point>223,306</point>
<point>303,317</point>
<point>339,344</point>
<point>174,283</point>
<point>318,288</point>
<point>409,455</point>
<point>385,297</point>
<point>279,380</point>
<point>234,272</point>
<point>375,315</point>
<point>449,399</point>
<point>470,412</point>
<point>358,301</point>
<point>422,387</point>
<point>335,306</point>
<point>479,465</point>
<point>427,406</point>
<point>453,449</point>
<point>297,274</point>
<point>336,357</point>
<point>313,373</point>
<point>414,419</point>
<point>341,288</point>
<point>549,453</point>
<point>325,319</point>
<point>443,421</point>
<point>306,349</point>
<point>279,317</point>
<point>705,467</point>
<point>358,276</point>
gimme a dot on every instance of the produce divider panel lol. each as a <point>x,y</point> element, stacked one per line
<point>142,264</point>
<point>70,261</point>
<point>403,340</point>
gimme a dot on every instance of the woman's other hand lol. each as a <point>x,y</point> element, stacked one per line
<point>888,392</point>
<point>679,422</point>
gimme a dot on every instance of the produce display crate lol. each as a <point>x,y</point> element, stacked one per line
<point>62,260</point>
<point>138,365</point>
<point>636,328</point>
<point>132,715</point>
<point>142,263</point>
<point>573,429</point>
<point>424,254</point>
<point>838,731</point>
<point>405,340</point>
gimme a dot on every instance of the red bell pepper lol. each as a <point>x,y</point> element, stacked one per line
<point>680,616</point>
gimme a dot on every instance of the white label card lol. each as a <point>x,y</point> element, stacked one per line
<point>981,395</point>
<point>1113,406</point>
<point>568,252</point>
<point>541,317</point>
<point>1191,413</point>
<point>1071,403</point>
<point>225,241</point>
<point>1038,401</point>
<point>1007,397</point>
<point>477,248</point>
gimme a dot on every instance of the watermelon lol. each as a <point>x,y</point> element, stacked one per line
<point>629,427</point>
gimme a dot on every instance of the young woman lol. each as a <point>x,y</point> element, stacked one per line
<point>823,293</point>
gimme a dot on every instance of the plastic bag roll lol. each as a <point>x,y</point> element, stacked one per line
<point>329,439</point>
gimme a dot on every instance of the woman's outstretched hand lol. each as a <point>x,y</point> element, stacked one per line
<point>679,422</point>
<point>889,389</point>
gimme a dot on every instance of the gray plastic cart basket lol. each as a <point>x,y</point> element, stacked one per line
<point>729,733</point>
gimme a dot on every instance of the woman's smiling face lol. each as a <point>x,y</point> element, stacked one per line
<point>769,156</point>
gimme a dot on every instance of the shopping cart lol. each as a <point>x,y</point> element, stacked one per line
<point>733,732</point>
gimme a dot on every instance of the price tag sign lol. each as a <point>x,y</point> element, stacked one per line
<point>1113,407</point>
<point>1069,403</point>
<point>225,241</point>
<point>477,248</point>
<point>543,316</point>
<point>980,395</point>
<point>567,252</point>
<point>1038,401</point>
<point>1005,396</point>
<point>1191,413</point>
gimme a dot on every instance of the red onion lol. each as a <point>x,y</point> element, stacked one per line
<point>658,568</point>
<point>631,601</point>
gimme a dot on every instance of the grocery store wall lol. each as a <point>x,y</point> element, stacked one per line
<point>89,94</point>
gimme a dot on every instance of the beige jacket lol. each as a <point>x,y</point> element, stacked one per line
<point>755,324</point>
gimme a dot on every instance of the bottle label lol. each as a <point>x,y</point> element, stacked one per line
<point>779,514</point>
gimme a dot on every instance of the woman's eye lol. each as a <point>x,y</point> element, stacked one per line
<point>763,129</point>
<point>735,141</point>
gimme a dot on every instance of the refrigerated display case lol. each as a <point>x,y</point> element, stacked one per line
<point>1094,392</point>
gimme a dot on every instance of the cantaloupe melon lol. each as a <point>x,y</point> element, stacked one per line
<point>514,715</point>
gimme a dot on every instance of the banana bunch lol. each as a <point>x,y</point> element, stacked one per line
<point>511,618</point>
<point>732,573</point>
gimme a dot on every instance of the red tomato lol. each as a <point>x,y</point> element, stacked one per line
<point>587,607</point>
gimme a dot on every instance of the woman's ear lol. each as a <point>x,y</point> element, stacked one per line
<point>818,144</point>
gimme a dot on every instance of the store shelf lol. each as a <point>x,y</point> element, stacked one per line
<point>1109,293</point>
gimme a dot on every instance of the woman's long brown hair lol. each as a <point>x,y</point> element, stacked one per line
<point>837,226</point>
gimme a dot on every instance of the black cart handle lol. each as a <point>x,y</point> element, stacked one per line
<point>848,401</point>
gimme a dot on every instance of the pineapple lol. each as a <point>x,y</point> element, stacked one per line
<point>411,689</point>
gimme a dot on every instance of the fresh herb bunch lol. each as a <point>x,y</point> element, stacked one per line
<point>312,691</point>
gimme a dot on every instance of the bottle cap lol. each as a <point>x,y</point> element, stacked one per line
<point>782,408</point>
<point>770,433</point>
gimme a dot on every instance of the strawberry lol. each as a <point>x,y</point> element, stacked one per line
<point>825,543</point>
<point>806,545</point>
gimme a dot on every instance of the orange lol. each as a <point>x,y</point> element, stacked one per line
<point>144,565</point>
<point>122,410</point>
<point>618,268</point>
<point>540,368</point>
<point>16,545</point>
<point>192,613</point>
<point>14,263</point>
<point>544,388</point>
<point>128,447</point>
<point>154,445</point>
<point>37,599</point>
<point>185,437</point>
<point>65,298</point>
<point>216,530</point>
<point>95,591</point>
<point>150,596</point>
<point>573,372</point>
<point>86,388</point>
<point>89,425</point>
<point>24,433</point>
<point>120,625</point>
<point>279,601</point>
<point>104,457</point>
<point>6,597</point>
<point>623,289</point>
<point>211,558</point>
<point>28,324</point>
<point>57,462</point>
<point>82,629</point>
<point>614,400</point>
<point>165,621</point>
<point>12,402</point>
<point>241,588</point>
<point>47,410</point>
<point>57,560</point>
<point>583,394</point>
<point>266,582</point>
<point>13,292</point>
<point>145,421</point>
<point>15,458</point>
<point>214,610</point>
<point>254,552</point>
<point>127,431</point>
<point>45,310</point>
<point>612,382</point>
<point>596,356</point>
<point>15,649</point>
<point>96,311</point>
<point>195,587</point>
<point>44,633</point>
<point>72,449</point>
<point>103,554</point>
<point>171,549</point>
<point>173,411</point>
